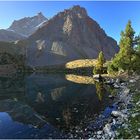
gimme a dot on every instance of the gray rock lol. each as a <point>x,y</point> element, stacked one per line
<point>118,80</point>
<point>138,103</point>
<point>117,114</point>
<point>107,129</point>
<point>109,81</point>
<point>135,114</point>
<point>132,81</point>
<point>99,132</point>
<point>122,84</point>
<point>116,85</point>
<point>111,96</point>
<point>97,76</point>
<point>126,91</point>
<point>98,136</point>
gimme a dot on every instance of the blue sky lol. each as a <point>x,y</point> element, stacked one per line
<point>112,16</point>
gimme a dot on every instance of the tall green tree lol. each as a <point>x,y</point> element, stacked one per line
<point>101,59</point>
<point>99,66</point>
<point>123,60</point>
<point>136,56</point>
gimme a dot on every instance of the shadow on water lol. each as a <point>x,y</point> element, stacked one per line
<point>48,105</point>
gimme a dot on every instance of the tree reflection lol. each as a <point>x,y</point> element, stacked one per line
<point>100,90</point>
<point>67,116</point>
<point>89,81</point>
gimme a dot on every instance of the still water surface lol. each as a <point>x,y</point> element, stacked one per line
<point>49,105</point>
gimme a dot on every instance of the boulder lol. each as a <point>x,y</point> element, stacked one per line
<point>107,130</point>
<point>97,76</point>
<point>132,81</point>
<point>117,114</point>
<point>109,81</point>
<point>126,91</point>
<point>99,132</point>
<point>116,85</point>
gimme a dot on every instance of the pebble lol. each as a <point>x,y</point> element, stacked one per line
<point>134,115</point>
<point>58,119</point>
<point>132,81</point>
<point>116,86</point>
<point>138,103</point>
<point>98,136</point>
<point>99,132</point>
<point>111,96</point>
<point>122,84</point>
<point>118,80</point>
<point>126,91</point>
<point>116,114</point>
<point>114,122</point>
<point>125,111</point>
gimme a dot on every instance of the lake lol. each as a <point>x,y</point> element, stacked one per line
<point>50,105</point>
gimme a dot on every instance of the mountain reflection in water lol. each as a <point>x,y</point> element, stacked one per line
<point>63,102</point>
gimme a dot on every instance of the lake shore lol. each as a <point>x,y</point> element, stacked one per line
<point>123,119</point>
<point>119,120</point>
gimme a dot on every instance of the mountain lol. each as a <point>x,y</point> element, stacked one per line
<point>21,29</point>
<point>69,35</point>
<point>9,36</point>
<point>28,25</point>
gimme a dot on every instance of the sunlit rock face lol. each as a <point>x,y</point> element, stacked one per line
<point>69,35</point>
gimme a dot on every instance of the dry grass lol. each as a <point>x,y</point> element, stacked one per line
<point>81,63</point>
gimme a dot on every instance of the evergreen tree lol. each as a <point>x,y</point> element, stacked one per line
<point>136,57</point>
<point>99,66</point>
<point>101,59</point>
<point>123,60</point>
<point>137,44</point>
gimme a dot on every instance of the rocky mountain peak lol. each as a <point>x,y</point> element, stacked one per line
<point>78,10</point>
<point>27,25</point>
<point>69,35</point>
<point>41,15</point>
<point>75,11</point>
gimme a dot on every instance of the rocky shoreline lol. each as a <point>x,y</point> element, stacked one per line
<point>118,116</point>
